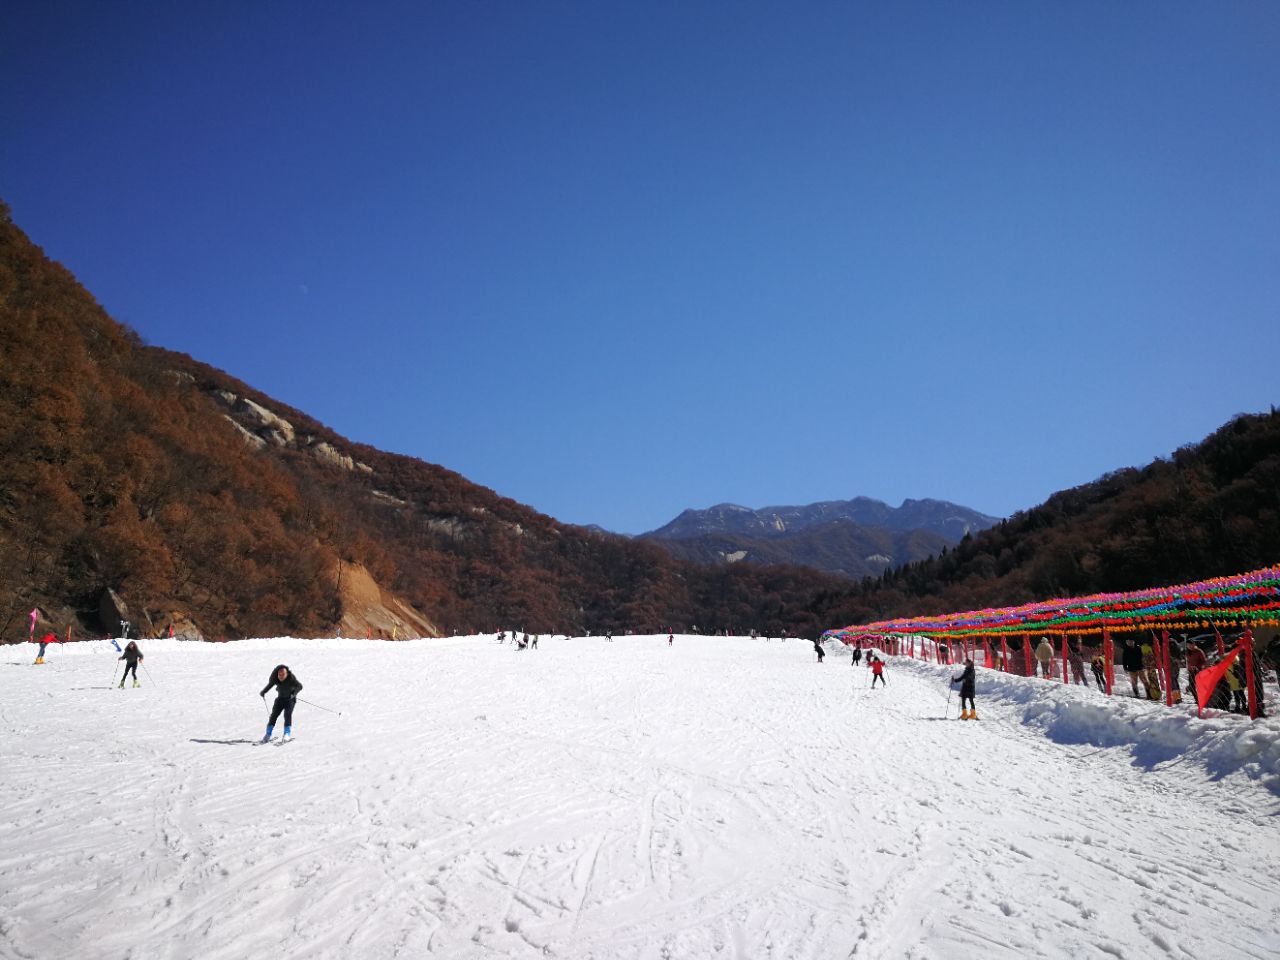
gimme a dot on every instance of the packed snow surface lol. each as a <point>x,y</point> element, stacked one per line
<point>718,797</point>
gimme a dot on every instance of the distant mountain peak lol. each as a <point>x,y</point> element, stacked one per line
<point>857,537</point>
<point>942,517</point>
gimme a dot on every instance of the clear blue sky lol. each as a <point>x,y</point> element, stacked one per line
<point>618,259</point>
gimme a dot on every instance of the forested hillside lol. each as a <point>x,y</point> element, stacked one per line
<point>1209,509</point>
<point>131,471</point>
<point>196,499</point>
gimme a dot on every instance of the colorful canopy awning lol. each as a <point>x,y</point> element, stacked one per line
<point>1245,600</point>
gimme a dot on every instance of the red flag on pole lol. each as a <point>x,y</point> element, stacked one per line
<point>1250,677</point>
<point>1109,659</point>
<point>1207,679</point>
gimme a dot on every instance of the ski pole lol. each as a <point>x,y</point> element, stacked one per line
<point>318,707</point>
<point>150,679</point>
<point>114,667</point>
<point>946,714</point>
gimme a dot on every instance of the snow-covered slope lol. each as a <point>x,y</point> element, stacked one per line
<point>715,798</point>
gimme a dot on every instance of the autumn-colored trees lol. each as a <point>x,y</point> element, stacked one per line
<point>118,469</point>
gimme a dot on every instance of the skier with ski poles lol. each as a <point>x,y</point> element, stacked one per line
<point>877,671</point>
<point>44,641</point>
<point>966,681</point>
<point>132,656</point>
<point>287,690</point>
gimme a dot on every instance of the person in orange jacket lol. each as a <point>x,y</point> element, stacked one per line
<point>877,671</point>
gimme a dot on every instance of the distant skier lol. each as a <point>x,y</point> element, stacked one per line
<point>132,656</point>
<point>44,641</point>
<point>966,681</point>
<point>857,655</point>
<point>287,690</point>
<point>534,641</point>
<point>877,671</point>
<point>671,637</point>
<point>817,646</point>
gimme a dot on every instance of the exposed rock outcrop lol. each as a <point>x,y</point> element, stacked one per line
<point>252,439</point>
<point>327,453</point>
<point>367,609</point>
<point>265,418</point>
<point>112,611</point>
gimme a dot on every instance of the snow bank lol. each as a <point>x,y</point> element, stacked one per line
<point>1155,735</point>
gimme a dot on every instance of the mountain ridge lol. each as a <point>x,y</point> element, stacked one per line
<point>124,473</point>
<point>943,517</point>
<point>853,538</point>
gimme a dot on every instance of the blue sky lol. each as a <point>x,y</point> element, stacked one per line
<point>614,260</point>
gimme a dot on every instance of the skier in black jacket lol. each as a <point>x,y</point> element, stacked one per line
<point>287,690</point>
<point>132,656</point>
<point>966,681</point>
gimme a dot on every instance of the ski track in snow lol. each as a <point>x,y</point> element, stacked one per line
<point>719,798</point>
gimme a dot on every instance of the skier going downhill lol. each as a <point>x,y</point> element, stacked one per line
<point>132,656</point>
<point>877,671</point>
<point>966,681</point>
<point>287,690</point>
<point>44,641</point>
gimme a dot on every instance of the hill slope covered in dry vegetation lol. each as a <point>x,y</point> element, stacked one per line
<point>134,477</point>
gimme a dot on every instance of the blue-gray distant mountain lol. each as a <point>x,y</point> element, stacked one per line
<point>948,520</point>
<point>854,538</point>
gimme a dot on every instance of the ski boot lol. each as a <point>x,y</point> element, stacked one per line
<point>288,732</point>
<point>122,683</point>
<point>136,683</point>
<point>39,659</point>
<point>267,736</point>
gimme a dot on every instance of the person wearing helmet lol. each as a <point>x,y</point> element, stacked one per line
<point>287,690</point>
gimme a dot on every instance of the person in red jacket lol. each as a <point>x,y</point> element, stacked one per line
<point>877,671</point>
<point>44,641</point>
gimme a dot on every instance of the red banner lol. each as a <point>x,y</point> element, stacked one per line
<point>1207,679</point>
